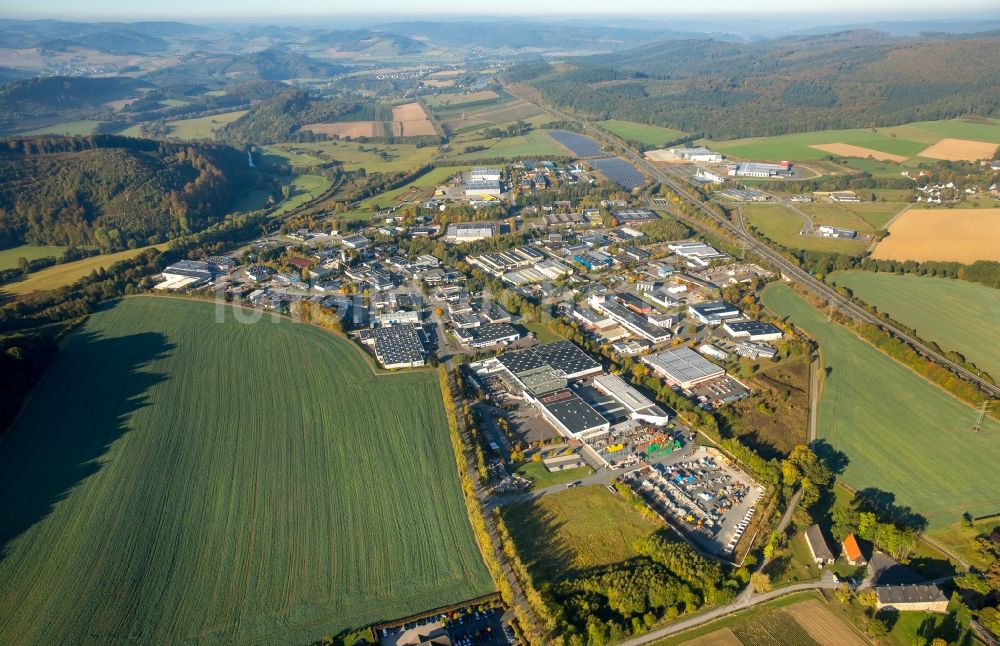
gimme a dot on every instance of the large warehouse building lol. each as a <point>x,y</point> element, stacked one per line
<point>572,416</point>
<point>683,367</point>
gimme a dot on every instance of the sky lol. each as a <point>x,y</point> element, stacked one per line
<point>836,10</point>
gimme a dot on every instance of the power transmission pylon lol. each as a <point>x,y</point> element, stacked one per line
<point>978,426</point>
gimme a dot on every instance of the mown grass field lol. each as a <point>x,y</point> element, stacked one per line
<point>83,127</point>
<point>303,189</point>
<point>180,480</point>
<point>900,433</point>
<point>9,257</point>
<point>956,314</point>
<point>398,157</point>
<point>452,99</point>
<point>782,226</point>
<point>571,531</point>
<point>641,132</point>
<point>536,143</point>
<point>196,128</point>
<point>419,189</point>
<point>908,139</point>
<point>58,276</point>
<point>538,474</point>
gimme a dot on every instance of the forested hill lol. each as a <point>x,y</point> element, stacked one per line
<point>279,118</point>
<point>112,191</point>
<point>68,97</point>
<point>795,84</point>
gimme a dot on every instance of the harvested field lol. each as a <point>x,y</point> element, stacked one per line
<point>721,637</point>
<point>346,128</point>
<point>822,625</point>
<point>438,83</point>
<point>962,235</point>
<point>121,103</point>
<point>416,128</point>
<point>960,149</point>
<point>850,150</point>
<point>444,101</point>
<point>408,112</point>
<point>179,478</point>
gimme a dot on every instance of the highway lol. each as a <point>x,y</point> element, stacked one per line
<point>789,270</point>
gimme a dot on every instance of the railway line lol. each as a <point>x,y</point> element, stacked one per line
<point>738,231</point>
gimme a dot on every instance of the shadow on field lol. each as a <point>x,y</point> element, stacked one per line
<point>535,532</point>
<point>77,412</point>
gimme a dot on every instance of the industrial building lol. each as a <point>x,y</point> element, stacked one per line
<point>752,330</point>
<point>470,231</point>
<point>684,367</point>
<point>629,216</point>
<point>833,232</point>
<point>186,273</point>
<point>487,336</point>
<point>699,154</point>
<point>638,405</point>
<point>572,416</point>
<point>483,188</point>
<point>759,170</point>
<point>396,346</point>
<point>713,312</point>
<point>356,242</point>
<point>698,254</point>
<point>563,358</point>
<point>635,323</point>
<point>483,174</point>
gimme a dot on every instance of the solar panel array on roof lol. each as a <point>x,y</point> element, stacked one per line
<point>397,344</point>
<point>684,366</point>
<point>563,356</point>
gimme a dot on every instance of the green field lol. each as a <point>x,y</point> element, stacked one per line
<point>9,257</point>
<point>538,474</point>
<point>177,479</point>
<point>542,332</point>
<point>536,143</point>
<point>58,276</point>
<point>646,134</point>
<point>782,226</point>
<point>83,127</point>
<point>419,189</point>
<point>908,139</point>
<point>304,188</point>
<point>398,157</point>
<point>197,128</point>
<point>956,314</point>
<point>900,433</point>
<point>569,532</point>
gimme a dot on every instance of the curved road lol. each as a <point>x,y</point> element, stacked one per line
<point>742,602</point>
<point>753,245</point>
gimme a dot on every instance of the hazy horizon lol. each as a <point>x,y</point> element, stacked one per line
<point>292,11</point>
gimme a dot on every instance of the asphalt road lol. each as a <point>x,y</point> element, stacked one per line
<point>754,246</point>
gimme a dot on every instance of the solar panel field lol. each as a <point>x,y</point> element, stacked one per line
<point>900,433</point>
<point>620,172</point>
<point>579,145</point>
<point>180,479</point>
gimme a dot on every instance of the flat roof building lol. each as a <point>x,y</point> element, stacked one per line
<point>713,312</point>
<point>684,367</point>
<point>638,405</point>
<point>488,335</point>
<point>470,231</point>
<point>572,416</point>
<point>752,330</point>
<point>396,346</point>
<point>563,357</point>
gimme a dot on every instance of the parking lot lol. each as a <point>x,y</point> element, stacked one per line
<point>702,495</point>
<point>471,628</point>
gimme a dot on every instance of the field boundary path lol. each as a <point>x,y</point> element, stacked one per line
<point>813,400</point>
<point>875,240</point>
<point>519,599</point>
<point>754,246</point>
